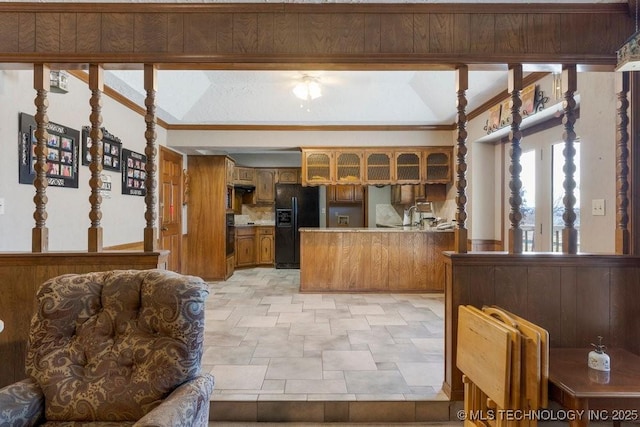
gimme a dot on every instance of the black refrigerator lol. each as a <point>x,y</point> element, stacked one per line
<point>296,207</point>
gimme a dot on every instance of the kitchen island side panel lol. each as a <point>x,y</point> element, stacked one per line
<point>373,260</point>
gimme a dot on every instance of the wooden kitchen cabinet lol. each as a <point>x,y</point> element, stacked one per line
<point>265,186</point>
<point>245,246</point>
<point>289,176</point>
<point>209,204</point>
<point>345,193</point>
<point>231,261</point>
<point>378,167</point>
<point>437,164</point>
<point>407,167</point>
<point>242,175</point>
<point>317,167</point>
<point>229,167</point>
<point>348,166</point>
<point>403,195</point>
<point>265,246</point>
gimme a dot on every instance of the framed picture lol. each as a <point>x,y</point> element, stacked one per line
<point>494,117</point>
<point>61,156</point>
<point>505,113</point>
<point>528,100</point>
<point>111,149</point>
<point>133,173</point>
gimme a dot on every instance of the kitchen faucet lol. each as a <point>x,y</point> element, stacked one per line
<point>408,216</point>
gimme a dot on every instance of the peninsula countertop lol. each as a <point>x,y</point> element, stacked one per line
<point>341,259</point>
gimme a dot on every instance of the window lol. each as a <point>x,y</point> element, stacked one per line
<point>542,194</point>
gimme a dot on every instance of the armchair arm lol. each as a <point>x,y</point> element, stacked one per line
<point>186,405</point>
<point>21,404</point>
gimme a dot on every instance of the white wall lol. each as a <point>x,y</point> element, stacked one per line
<point>596,130</point>
<point>123,216</point>
<point>68,208</point>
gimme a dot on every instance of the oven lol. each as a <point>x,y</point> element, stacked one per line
<point>231,233</point>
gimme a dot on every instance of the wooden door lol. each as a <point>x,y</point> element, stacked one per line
<point>171,206</point>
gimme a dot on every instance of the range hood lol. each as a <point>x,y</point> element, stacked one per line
<point>247,188</point>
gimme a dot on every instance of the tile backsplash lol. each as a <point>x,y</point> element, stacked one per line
<point>387,215</point>
<point>257,214</point>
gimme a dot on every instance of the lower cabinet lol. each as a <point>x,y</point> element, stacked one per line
<point>231,261</point>
<point>254,246</point>
<point>245,246</point>
<point>265,246</point>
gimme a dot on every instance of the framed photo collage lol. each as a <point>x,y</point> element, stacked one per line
<point>63,156</point>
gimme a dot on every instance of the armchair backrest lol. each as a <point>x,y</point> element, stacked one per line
<point>110,346</point>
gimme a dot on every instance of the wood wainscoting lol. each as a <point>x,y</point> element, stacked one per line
<point>22,273</point>
<point>574,297</point>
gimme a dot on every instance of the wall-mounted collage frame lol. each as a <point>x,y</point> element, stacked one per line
<point>111,148</point>
<point>133,173</point>
<point>62,153</point>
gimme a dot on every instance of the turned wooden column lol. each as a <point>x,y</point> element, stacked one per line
<point>96,85</point>
<point>41,83</point>
<point>515,168</point>
<point>622,164</point>
<point>462,84</point>
<point>569,86</point>
<point>151,151</point>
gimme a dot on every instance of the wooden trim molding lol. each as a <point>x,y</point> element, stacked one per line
<point>132,246</point>
<point>331,35</point>
<point>331,128</point>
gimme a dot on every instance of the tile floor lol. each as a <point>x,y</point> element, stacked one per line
<point>265,341</point>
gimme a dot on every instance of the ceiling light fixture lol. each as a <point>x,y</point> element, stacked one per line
<point>308,88</point>
<point>629,53</point>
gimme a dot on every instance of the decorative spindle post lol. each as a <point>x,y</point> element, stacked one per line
<point>569,86</point>
<point>40,233</point>
<point>96,85</point>
<point>462,84</point>
<point>515,184</point>
<point>622,165</point>
<point>151,150</point>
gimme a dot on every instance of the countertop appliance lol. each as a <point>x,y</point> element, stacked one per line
<point>296,207</point>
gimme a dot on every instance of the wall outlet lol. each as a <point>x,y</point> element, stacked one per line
<point>2,206</point>
<point>597,207</point>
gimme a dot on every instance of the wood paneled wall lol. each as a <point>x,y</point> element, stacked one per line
<point>575,297</point>
<point>20,276</point>
<point>365,34</point>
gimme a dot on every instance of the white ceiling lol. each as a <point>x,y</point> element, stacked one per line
<point>348,97</point>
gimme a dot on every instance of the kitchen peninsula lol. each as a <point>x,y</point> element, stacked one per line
<point>405,259</point>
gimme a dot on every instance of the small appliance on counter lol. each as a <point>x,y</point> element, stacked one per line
<point>424,210</point>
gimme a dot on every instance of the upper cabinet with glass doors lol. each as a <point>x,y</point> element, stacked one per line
<point>317,167</point>
<point>348,166</point>
<point>376,166</point>
<point>437,165</point>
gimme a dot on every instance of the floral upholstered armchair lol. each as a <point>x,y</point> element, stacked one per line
<point>114,348</point>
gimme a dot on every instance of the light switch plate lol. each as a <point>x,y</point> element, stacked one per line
<point>597,207</point>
